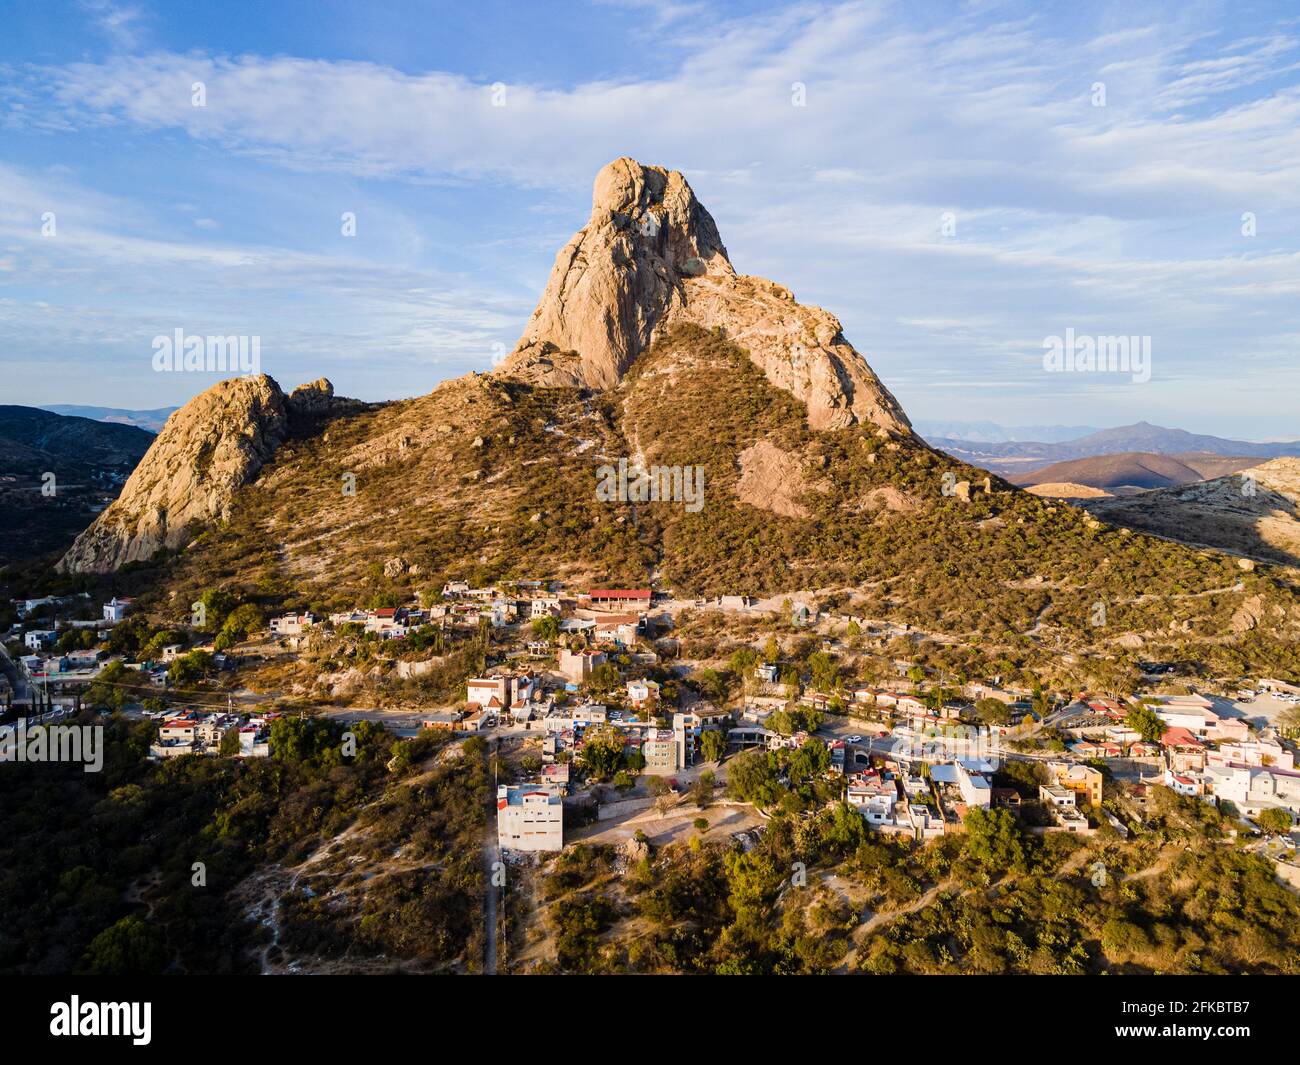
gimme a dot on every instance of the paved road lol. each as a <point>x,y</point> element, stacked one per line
<point>491,861</point>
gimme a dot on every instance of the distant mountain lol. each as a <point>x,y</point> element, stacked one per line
<point>993,433</point>
<point>1135,469</point>
<point>1143,436</point>
<point>151,420</point>
<point>1016,458</point>
<point>56,474</point>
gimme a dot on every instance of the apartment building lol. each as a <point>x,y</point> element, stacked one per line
<point>530,817</point>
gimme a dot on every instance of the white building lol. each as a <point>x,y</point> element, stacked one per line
<point>544,607</point>
<point>115,609</point>
<point>1253,789</point>
<point>40,638</point>
<point>292,624</point>
<point>530,817</point>
<point>642,692</point>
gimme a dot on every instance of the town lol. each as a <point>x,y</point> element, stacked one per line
<point>604,729</point>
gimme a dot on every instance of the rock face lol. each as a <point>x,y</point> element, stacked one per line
<point>650,257</point>
<point>212,445</point>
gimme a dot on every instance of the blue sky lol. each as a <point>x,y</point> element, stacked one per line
<point>1125,218</point>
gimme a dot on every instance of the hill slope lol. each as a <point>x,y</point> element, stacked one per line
<point>1135,469</point>
<point>55,473</point>
<point>1254,513</point>
<point>497,476</point>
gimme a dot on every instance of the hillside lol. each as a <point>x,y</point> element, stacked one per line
<point>813,480</point>
<point>56,473</point>
<point>1252,513</point>
<point>1134,469</point>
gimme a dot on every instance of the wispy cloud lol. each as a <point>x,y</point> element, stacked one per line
<point>945,185</point>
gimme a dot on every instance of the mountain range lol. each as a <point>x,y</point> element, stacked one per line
<point>152,420</point>
<point>1011,457</point>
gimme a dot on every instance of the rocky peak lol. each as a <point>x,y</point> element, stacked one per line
<point>649,257</point>
<point>211,446</point>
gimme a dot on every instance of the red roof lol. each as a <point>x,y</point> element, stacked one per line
<point>1179,737</point>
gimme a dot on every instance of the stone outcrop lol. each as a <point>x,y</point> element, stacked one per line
<point>651,257</point>
<point>209,448</point>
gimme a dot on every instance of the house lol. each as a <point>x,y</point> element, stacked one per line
<point>1183,750</point>
<point>1083,780</point>
<point>1097,749</point>
<point>292,624</point>
<point>1264,752</point>
<point>446,720</point>
<point>874,797</point>
<point>178,729</point>
<point>501,693</point>
<point>1006,798</point>
<point>1183,783</point>
<point>1252,789</point>
<point>499,612</point>
<point>115,609</point>
<point>577,666</point>
<point>619,629</point>
<point>254,741</point>
<point>909,704</point>
<point>972,785</point>
<point>530,817</point>
<point>544,607</point>
<point>39,639</point>
<point>766,672</point>
<point>1062,802</point>
<point>556,775</point>
<point>489,693</point>
<point>617,598</point>
<point>642,694</point>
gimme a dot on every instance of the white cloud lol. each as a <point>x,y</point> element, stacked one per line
<point>1124,217</point>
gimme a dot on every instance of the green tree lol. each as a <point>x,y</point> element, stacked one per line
<point>546,628</point>
<point>128,948</point>
<point>992,711</point>
<point>1274,819</point>
<point>1145,722</point>
<point>602,751</point>
<point>993,839</point>
<point>713,744</point>
<point>240,623</point>
<point>190,668</point>
<point>110,688</point>
<point>217,604</point>
<point>825,677</point>
<point>230,743</point>
<point>604,678</point>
